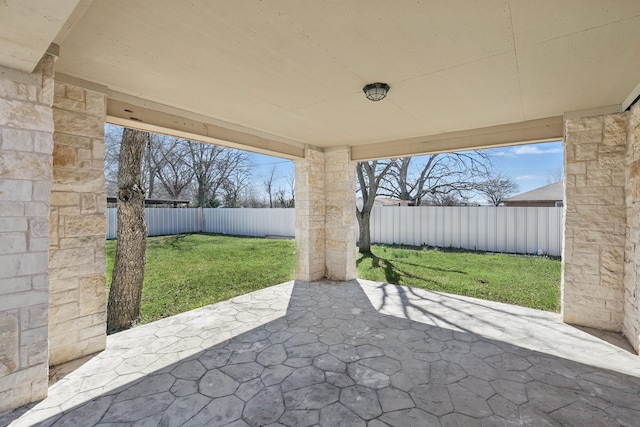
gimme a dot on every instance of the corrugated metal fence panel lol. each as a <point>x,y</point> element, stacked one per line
<point>112,223</point>
<point>250,222</point>
<point>496,229</point>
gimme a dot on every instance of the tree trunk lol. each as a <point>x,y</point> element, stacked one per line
<point>128,272</point>
<point>364,222</point>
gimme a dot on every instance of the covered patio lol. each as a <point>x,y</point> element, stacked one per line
<point>349,354</point>
<point>286,78</point>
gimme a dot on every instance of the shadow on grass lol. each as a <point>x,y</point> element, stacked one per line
<point>393,274</point>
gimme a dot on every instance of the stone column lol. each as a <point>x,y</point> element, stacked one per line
<point>340,209</point>
<point>595,221</point>
<point>631,322</point>
<point>310,216</point>
<point>77,263</point>
<point>26,143</point>
<point>325,215</point>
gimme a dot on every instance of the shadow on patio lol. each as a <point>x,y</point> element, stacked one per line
<point>353,354</point>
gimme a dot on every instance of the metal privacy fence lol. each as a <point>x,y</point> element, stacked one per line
<point>501,229</point>
<point>237,222</point>
<point>494,229</point>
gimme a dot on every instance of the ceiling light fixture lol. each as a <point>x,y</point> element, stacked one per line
<point>376,91</point>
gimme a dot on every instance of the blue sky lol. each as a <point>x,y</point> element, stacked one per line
<point>530,166</point>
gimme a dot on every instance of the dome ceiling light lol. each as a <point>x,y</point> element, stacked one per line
<point>376,91</point>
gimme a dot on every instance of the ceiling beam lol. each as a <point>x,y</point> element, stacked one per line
<point>532,131</point>
<point>139,113</point>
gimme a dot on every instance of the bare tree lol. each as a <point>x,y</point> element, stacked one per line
<point>497,188</point>
<point>556,174</point>
<point>235,185</point>
<point>128,272</point>
<point>286,196</point>
<point>370,175</point>
<point>168,160</point>
<point>112,139</point>
<point>212,166</point>
<point>268,183</point>
<point>428,178</point>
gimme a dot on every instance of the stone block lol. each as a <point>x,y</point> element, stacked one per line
<point>39,227</point>
<point>27,166</point>
<point>23,299</point>
<point>34,335</point>
<point>43,142</point>
<point>41,190</point>
<point>37,353</point>
<point>17,140</point>
<point>68,104</point>
<point>76,180</point>
<point>615,129</point>
<point>9,336</point>
<point>64,156</point>
<point>93,294</point>
<point>584,123</point>
<point>15,190</point>
<point>86,225</point>
<point>25,115</point>
<point>96,104</point>
<point>22,264</point>
<point>38,315</point>
<point>12,285</point>
<point>65,198</point>
<point>36,209</point>
<point>8,209</point>
<point>77,124</point>
<point>12,242</point>
<point>88,203</point>
<point>60,313</point>
<point>586,138</point>
<point>75,93</point>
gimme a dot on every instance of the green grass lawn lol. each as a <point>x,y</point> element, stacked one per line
<point>187,271</point>
<point>521,280</point>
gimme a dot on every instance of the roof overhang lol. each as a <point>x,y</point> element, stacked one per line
<point>274,77</point>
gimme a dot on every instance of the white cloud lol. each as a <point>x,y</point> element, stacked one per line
<point>532,149</point>
<point>527,177</point>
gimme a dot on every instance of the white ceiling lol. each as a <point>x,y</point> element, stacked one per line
<point>295,68</point>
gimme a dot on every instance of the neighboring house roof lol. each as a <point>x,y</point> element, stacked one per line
<point>384,202</point>
<point>551,192</point>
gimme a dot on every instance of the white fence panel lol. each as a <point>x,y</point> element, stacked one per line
<point>250,222</point>
<point>494,229</point>
<point>239,222</point>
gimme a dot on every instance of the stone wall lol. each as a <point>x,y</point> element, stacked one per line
<point>26,143</point>
<point>77,263</point>
<point>631,323</point>
<point>595,221</point>
<point>325,215</point>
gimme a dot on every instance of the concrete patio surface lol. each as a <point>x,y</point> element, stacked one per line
<point>348,354</point>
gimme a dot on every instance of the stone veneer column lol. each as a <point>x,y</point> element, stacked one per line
<point>310,216</point>
<point>340,211</point>
<point>631,323</point>
<point>26,143</point>
<point>325,215</point>
<point>595,221</point>
<point>77,318</point>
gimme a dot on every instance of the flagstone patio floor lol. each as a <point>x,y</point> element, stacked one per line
<point>349,354</point>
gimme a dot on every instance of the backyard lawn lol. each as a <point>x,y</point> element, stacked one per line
<point>187,271</point>
<point>526,281</point>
